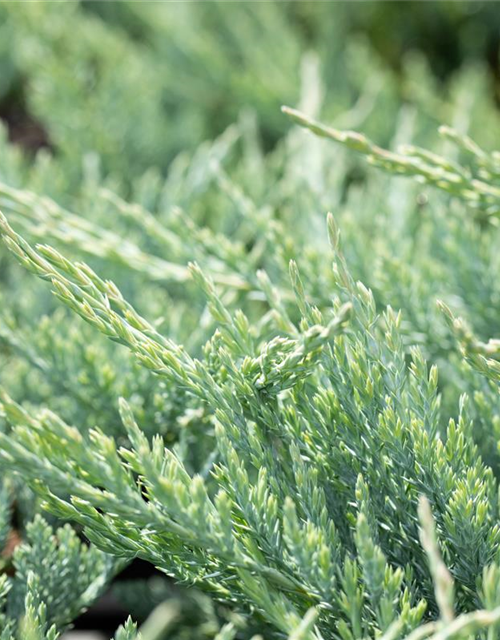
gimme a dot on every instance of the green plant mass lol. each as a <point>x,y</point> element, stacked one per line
<point>252,347</point>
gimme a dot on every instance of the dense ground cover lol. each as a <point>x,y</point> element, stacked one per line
<point>264,400</point>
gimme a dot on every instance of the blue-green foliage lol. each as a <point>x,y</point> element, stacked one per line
<point>52,577</point>
<point>253,404</point>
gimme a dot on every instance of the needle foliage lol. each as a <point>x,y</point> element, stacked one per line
<point>293,411</point>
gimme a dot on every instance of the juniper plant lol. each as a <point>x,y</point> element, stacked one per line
<point>51,577</point>
<point>326,436</point>
<point>303,417</point>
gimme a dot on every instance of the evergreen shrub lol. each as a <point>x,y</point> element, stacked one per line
<point>293,411</point>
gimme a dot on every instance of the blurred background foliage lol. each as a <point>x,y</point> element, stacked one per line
<point>137,82</point>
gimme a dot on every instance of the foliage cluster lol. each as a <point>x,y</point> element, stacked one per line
<point>251,402</point>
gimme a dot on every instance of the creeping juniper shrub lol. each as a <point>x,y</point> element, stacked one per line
<point>327,432</point>
<point>295,412</point>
